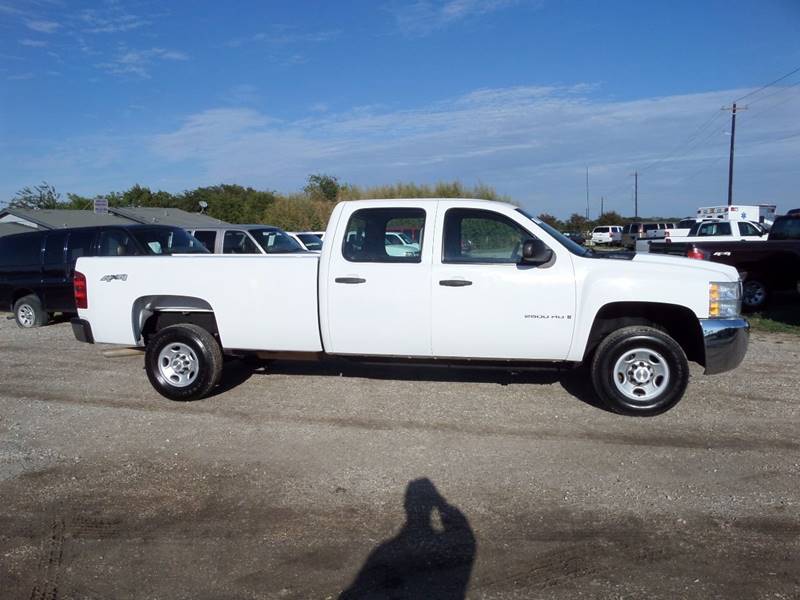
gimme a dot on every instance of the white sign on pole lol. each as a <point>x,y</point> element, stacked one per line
<point>101,206</point>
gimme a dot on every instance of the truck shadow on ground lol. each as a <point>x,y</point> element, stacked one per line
<point>783,309</point>
<point>431,556</point>
<point>575,381</point>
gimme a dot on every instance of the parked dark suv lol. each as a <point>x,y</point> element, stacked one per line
<point>36,268</point>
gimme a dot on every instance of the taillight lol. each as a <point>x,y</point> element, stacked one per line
<point>79,288</point>
<point>695,253</point>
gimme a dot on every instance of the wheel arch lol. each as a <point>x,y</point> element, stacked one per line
<point>21,293</point>
<point>152,313</point>
<point>679,322</point>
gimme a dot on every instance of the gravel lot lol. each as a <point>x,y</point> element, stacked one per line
<point>306,480</point>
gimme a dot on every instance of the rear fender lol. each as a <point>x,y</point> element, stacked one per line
<point>147,306</point>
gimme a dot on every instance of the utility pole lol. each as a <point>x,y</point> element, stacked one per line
<point>635,194</point>
<point>587,193</point>
<point>733,110</point>
<point>602,199</point>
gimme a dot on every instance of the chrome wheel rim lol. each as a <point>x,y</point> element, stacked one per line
<point>26,315</point>
<point>641,374</point>
<point>178,364</point>
<point>754,293</point>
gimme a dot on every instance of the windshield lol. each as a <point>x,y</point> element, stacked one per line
<point>407,240</point>
<point>311,241</point>
<point>573,247</point>
<point>275,241</point>
<point>163,240</point>
<point>686,224</point>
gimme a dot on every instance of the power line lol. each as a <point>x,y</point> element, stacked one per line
<point>687,142</point>
<point>774,105</point>
<point>770,84</point>
<point>780,90</point>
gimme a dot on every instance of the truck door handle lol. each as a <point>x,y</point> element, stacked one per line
<point>350,280</point>
<point>454,282</point>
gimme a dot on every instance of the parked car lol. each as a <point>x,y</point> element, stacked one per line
<point>607,234</point>
<point>770,266</point>
<point>682,228</point>
<point>722,231</point>
<point>522,293</point>
<point>633,232</point>
<point>247,239</point>
<point>36,269</point>
<point>399,244</point>
<point>307,240</point>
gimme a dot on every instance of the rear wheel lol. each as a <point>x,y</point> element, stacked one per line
<point>183,362</point>
<point>754,294</point>
<point>28,312</point>
<point>640,371</point>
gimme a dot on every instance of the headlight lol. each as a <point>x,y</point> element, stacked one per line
<point>724,299</point>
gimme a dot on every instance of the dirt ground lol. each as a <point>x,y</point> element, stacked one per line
<point>333,480</point>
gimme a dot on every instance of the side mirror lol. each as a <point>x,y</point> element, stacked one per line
<point>534,252</point>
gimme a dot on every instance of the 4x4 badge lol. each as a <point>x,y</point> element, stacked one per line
<point>121,277</point>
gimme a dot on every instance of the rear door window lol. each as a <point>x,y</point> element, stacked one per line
<point>115,242</point>
<point>54,248</point>
<point>79,244</point>
<point>714,229</point>
<point>366,238</point>
<point>22,250</point>
<point>238,242</point>
<point>207,238</point>
<point>748,230</point>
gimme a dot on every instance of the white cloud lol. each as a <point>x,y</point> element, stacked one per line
<point>531,142</point>
<point>33,43</point>
<point>111,19</point>
<point>43,26</point>
<point>425,16</point>
<point>138,62</point>
<point>282,35</point>
<point>20,77</point>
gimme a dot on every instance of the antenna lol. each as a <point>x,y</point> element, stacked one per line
<point>203,206</point>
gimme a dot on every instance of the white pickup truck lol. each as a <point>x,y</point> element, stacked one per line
<point>712,231</point>
<point>488,285</point>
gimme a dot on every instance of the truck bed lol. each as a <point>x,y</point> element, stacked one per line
<point>276,295</point>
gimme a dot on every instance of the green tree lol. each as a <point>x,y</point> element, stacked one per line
<point>77,202</point>
<point>577,223</point>
<point>232,203</point>
<point>552,221</point>
<point>39,197</point>
<point>322,187</point>
<point>610,218</point>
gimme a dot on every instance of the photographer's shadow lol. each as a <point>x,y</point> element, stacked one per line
<point>430,559</point>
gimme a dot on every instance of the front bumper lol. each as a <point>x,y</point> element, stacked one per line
<point>726,343</point>
<point>82,330</point>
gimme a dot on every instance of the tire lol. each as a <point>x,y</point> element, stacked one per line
<point>183,362</point>
<point>639,371</point>
<point>755,294</point>
<point>28,312</point>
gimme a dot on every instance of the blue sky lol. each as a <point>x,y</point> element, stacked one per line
<point>522,95</point>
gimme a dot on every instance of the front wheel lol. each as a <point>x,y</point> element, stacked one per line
<point>640,371</point>
<point>183,362</point>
